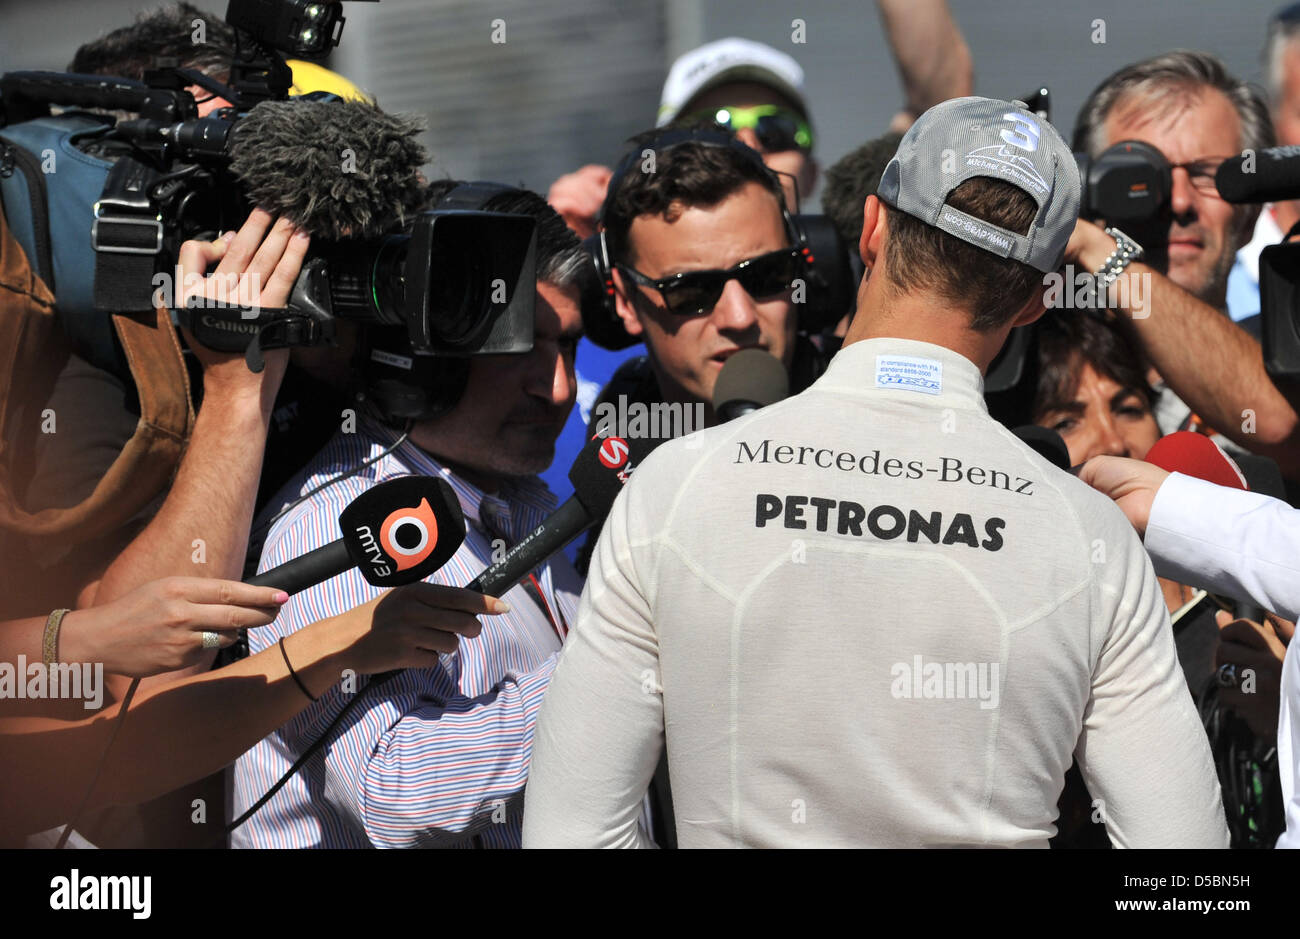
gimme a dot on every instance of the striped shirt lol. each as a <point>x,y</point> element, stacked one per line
<point>439,757</point>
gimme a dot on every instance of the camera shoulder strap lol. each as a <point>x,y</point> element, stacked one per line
<point>127,236</point>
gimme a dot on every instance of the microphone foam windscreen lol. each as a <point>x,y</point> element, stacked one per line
<point>1194,454</point>
<point>403,529</point>
<point>603,467</point>
<point>337,169</point>
<point>1047,443</point>
<point>751,376</point>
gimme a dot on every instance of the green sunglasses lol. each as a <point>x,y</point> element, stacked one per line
<point>777,128</point>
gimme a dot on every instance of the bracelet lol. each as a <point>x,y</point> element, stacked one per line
<point>50,639</point>
<point>1126,252</point>
<point>296,679</point>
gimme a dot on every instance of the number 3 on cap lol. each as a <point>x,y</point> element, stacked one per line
<point>1026,134</point>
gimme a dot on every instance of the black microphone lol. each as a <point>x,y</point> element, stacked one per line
<point>336,169</point>
<point>598,474</point>
<point>750,379</point>
<point>1268,175</point>
<point>397,532</point>
<point>1048,444</point>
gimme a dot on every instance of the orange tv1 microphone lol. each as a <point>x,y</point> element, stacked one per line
<point>397,532</point>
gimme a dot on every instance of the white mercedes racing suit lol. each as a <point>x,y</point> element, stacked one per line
<point>869,615</point>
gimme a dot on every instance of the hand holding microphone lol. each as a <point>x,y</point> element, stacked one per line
<point>164,625</point>
<point>407,627</point>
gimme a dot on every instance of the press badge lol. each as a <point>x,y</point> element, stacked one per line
<point>909,372</point>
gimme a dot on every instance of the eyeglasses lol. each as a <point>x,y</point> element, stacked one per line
<point>777,128</point>
<point>692,293</point>
<point>1201,173</point>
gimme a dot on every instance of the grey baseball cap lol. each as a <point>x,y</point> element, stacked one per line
<point>967,137</point>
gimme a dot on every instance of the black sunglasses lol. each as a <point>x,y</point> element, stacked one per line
<point>692,293</point>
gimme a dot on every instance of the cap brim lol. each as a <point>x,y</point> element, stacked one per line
<point>751,73</point>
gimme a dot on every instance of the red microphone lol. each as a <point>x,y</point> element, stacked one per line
<point>1194,454</point>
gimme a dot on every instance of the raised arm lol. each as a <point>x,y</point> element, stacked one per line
<point>933,59</point>
<point>203,526</point>
<point>1214,365</point>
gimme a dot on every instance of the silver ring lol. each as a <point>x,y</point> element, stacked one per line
<point>211,640</point>
<point>1226,675</point>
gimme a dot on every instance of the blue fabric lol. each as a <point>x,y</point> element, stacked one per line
<point>595,367</point>
<point>1243,293</point>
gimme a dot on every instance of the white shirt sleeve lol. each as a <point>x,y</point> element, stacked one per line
<point>600,731</point>
<point>1288,746</point>
<point>1242,544</point>
<point>1143,752</point>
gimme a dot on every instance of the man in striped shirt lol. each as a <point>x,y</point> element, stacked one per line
<point>439,756</point>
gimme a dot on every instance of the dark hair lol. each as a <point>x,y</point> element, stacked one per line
<point>686,174</point>
<point>561,260</point>
<point>855,176</point>
<point>1167,81</point>
<point>1069,339</point>
<point>993,289</point>
<point>166,33</point>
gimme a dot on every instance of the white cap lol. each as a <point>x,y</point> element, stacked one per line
<point>728,60</point>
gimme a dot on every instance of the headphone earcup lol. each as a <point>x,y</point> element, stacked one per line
<point>600,320</point>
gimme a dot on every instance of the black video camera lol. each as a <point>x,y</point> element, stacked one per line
<point>128,192</point>
<point>1272,175</point>
<point>1129,186</point>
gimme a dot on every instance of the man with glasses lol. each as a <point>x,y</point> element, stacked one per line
<point>1187,105</point>
<point>753,91</point>
<point>758,93</point>
<point>703,261</point>
<point>783,604</point>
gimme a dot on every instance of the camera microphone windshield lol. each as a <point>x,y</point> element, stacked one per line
<point>336,169</point>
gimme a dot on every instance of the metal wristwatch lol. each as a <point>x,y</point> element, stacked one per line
<point>1126,252</point>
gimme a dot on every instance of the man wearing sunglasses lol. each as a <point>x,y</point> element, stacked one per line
<point>758,93</point>
<point>766,595</point>
<point>703,263</point>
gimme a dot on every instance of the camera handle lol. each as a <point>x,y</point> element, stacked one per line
<point>230,327</point>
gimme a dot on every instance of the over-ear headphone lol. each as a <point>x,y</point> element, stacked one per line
<point>397,385</point>
<point>603,324</point>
